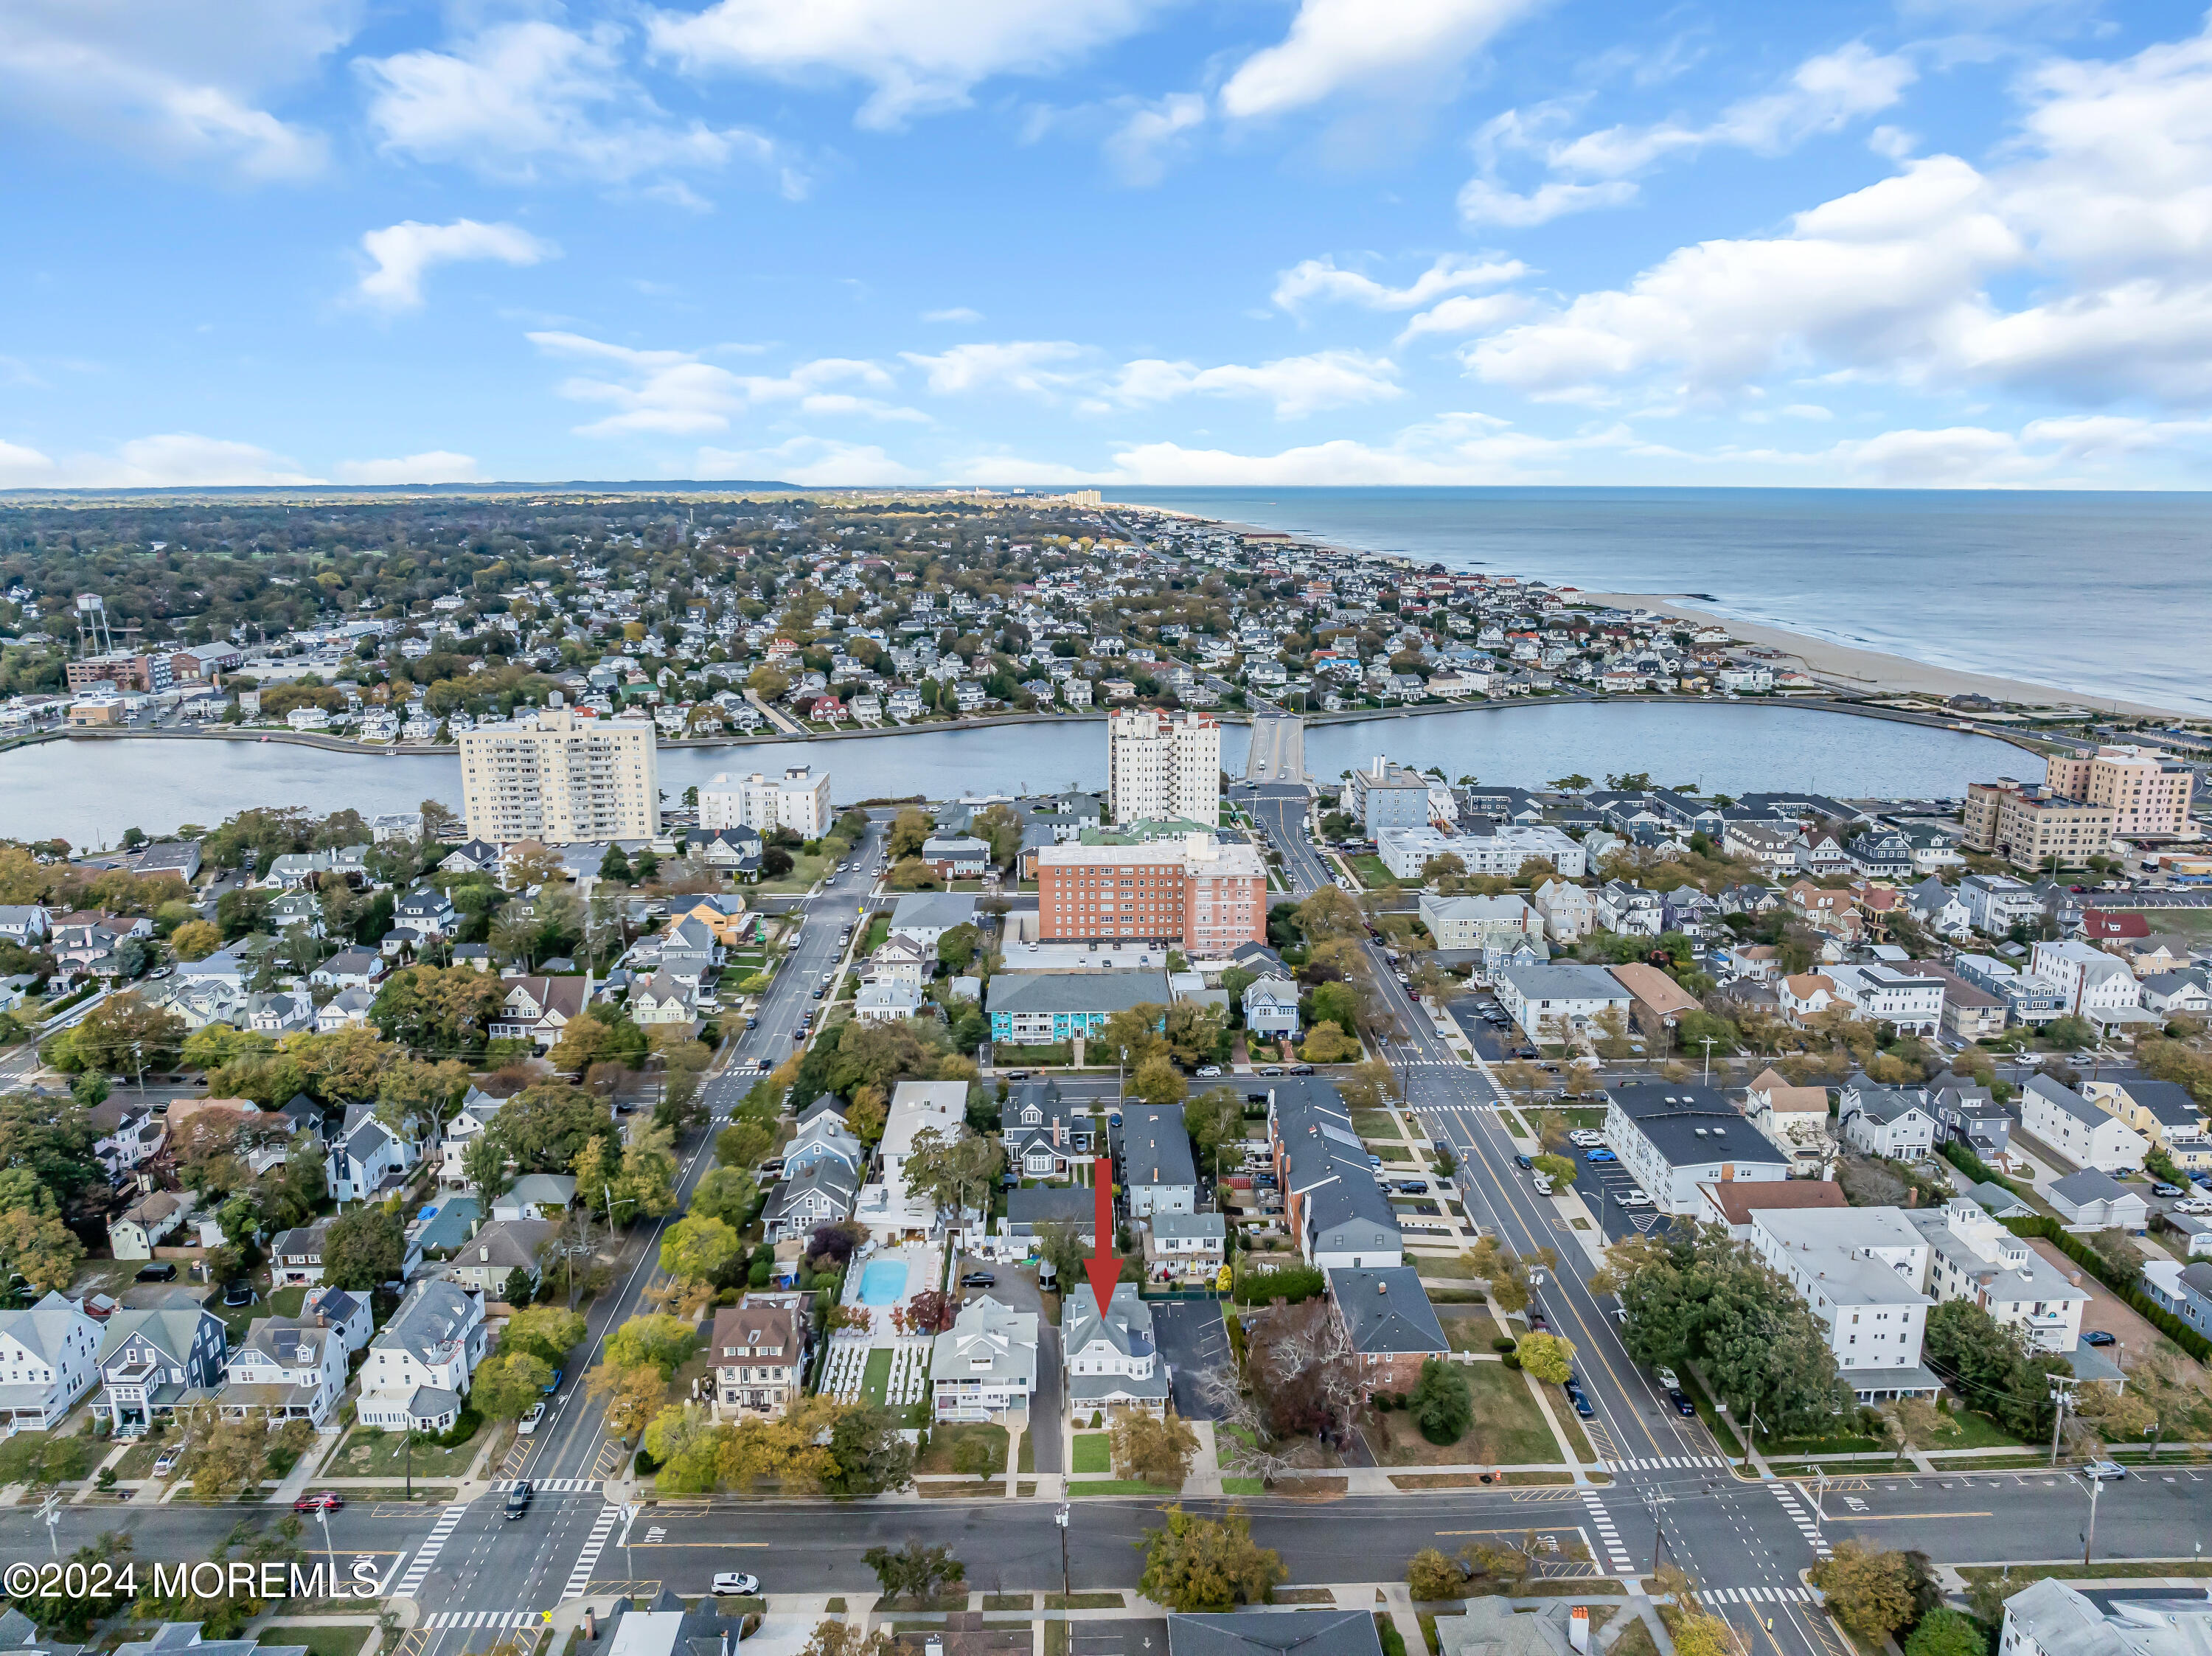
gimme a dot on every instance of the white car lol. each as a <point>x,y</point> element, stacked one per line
<point>528,1423</point>
<point>1633,1198</point>
<point>1586,1137</point>
<point>167,1463</point>
<point>729,1582</point>
<point>2194,1205</point>
<point>1207,1071</point>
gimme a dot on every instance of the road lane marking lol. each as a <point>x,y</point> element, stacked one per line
<point>428,1555</point>
<point>1885,1518</point>
<point>595,1544</point>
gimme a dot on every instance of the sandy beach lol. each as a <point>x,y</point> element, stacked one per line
<point>1870,671</point>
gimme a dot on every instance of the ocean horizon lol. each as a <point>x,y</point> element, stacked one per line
<point>2100,594</point>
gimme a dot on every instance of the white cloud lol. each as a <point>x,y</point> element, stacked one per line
<point>1139,149</point>
<point>1294,385</point>
<point>680,393</point>
<point>810,462</point>
<point>1467,313</point>
<point>179,82</point>
<point>1339,45</point>
<point>437,465</point>
<point>178,460</point>
<point>1824,94</point>
<point>404,251</point>
<point>1314,279</point>
<point>1481,200</point>
<point>1025,365</point>
<point>525,98</point>
<point>957,313</point>
<point>917,56</point>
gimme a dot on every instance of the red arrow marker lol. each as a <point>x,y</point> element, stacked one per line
<point>1102,1267</point>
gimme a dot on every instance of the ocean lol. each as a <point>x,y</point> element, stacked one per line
<point>2104,595</point>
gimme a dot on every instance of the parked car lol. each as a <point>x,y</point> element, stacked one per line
<point>1667,1378</point>
<point>1581,1400</point>
<point>161,1271</point>
<point>1599,1155</point>
<point>1681,1399</point>
<point>528,1423</point>
<point>2163,1189</point>
<point>2098,1336</point>
<point>2105,1472</point>
<point>1633,1198</point>
<point>737,1583</point>
<point>1207,1071</point>
<point>165,1462</point>
<point>978,1279</point>
<point>1523,1163</point>
<point>1271,1069</point>
<point>1302,1069</point>
<point>322,1500</point>
<point>553,1385</point>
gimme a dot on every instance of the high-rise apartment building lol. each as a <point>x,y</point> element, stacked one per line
<point>1204,897</point>
<point>2148,792</point>
<point>560,780</point>
<point>797,800</point>
<point>2033,825</point>
<point>1163,767</point>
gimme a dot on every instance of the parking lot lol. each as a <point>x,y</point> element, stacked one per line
<point>1194,1343</point>
<point>1599,1183</point>
<point>1496,1044</point>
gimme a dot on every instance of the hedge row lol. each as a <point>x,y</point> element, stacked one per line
<point>1974,1168</point>
<point>2098,1266</point>
<point>1290,1283</point>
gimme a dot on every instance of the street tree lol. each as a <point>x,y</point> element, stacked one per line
<point>1871,1593</point>
<point>915,1572</point>
<point>1156,1448</point>
<point>1548,1356</point>
<point>1442,1403</point>
<point>1196,1564</point>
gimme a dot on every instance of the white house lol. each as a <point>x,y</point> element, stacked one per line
<point>286,1368</point>
<point>985,1364</point>
<point>419,1363</point>
<point>2092,981</point>
<point>143,1226</point>
<point>2050,1618</point>
<point>2077,1129</point>
<point>2096,1201</point>
<point>1675,1136</point>
<point>1910,1000</point>
<point>478,1112</point>
<point>1114,1360</point>
<point>1860,1270</point>
<point>46,1353</point>
<point>367,1158</point>
<point>1892,1121</point>
<point>889,1210</point>
<point>1973,1258</point>
<point>1569,913</point>
<point>1271,1008</point>
<point>1543,999</point>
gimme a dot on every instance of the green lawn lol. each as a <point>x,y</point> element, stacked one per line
<point>1368,869</point>
<point>321,1638</point>
<point>1094,1453</point>
<point>1120,1486</point>
<point>945,1441</point>
<point>880,929</point>
<point>805,872</point>
<point>286,1301</point>
<point>876,1383</point>
<point>369,1453</point>
<point>1976,1431</point>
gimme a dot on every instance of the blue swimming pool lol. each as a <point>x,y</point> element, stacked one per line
<point>882,1282</point>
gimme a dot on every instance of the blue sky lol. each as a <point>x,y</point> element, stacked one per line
<point>1933,243</point>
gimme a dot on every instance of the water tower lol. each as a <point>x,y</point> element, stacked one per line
<point>92,625</point>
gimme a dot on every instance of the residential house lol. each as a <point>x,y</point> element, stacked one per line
<point>886,1001</point>
<point>2050,1618</point>
<point>286,1368</point>
<point>1973,1258</point>
<point>956,857</point>
<point>1462,924</point>
<point>146,1223</point>
<point>1332,1205</point>
<point>350,969</point>
<point>1937,908</point>
<point>347,1009</point>
<point>886,1207</point>
<point>2096,1201</point>
<point>1859,1269</point>
<point>419,1363</point>
<point>2182,1290</point>
<point>1804,996</point>
<point>927,916</point>
<point>1186,1248</point>
<point>2167,993</point>
<point>757,1353</point>
<point>2092,984</point>
<point>538,1009</point>
<point>1627,908</point>
<point>1158,1173</point>
<point>985,1364</point>
<point>821,1192</point>
<point>478,1112</point>
<point>155,1359</point>
<point>2163,1112</point>
<point>369,1159</point>
<point>1043,1009</point>
<point>1045,1137</point>
<point>46,1352</point>
<point>345,1313</point>
<point>296,1256</point>
<point>1657,1002</point>
<point>1557,1000</point>
<point>483,1263</point>
<point>1794,1119</point>
<point>2078,1130</point>
<point>660,999</point>
<point>1271,1009</point>
<point>1910,1000</point>
<point>1388,1321</point>
<point>1113,1358</point>
<point>903,959</point>
<point>124,1134</point>
<point>1569,913</point>
<point>1897,1122</point>
<point>535,1196</point>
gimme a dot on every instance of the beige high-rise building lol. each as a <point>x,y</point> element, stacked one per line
<point>561,780</point>
<point>2032,826</point>
<point>1163,767</point>
<point>2148,792</point>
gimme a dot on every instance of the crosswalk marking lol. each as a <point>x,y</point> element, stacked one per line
<point>1602,1521</point>
<point>1806,1525</point>
<point>1666,1463</point>
<point>1755,1595</point>
<point>595,1544</point>
<point>507,1619</point>
<point>550,1485</point>
<point>428,1555</point>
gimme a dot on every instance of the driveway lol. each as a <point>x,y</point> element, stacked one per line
<point>2104,1310</point>
<point>1134,1637</point>
<point>1194,1343</point>
<point>1016,1289</point>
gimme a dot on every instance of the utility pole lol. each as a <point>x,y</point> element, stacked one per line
<point>50,1510</point>
<point>2062,1394</point>
<point>1061,1518</point>
<point>1653,1501</point>
<point>2157,1428</point>
<point>1819,1496</point>
<point>2089,1538</point>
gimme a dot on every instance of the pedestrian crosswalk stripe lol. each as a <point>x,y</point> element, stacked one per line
<point>507,1619</point>
<point>1667,1462</point>
<point>1806,1525</point>
<point>1602,1521</point>
<point>1756,1595</point>
<point>432,1545</point>
<point>550,1485</point>
<point>595,1544</point>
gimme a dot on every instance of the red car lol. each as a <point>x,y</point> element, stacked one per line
<point>327,1501</point>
